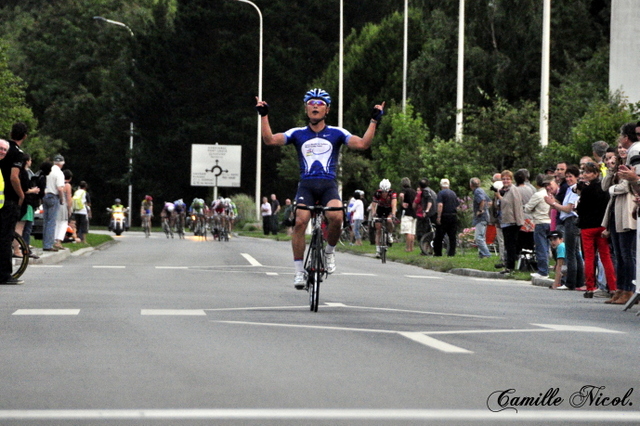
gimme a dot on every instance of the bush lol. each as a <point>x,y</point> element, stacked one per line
<point>246,209</point>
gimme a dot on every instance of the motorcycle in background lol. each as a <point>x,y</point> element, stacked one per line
<point>118,222</point>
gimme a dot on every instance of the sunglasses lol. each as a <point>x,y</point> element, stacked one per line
<point>316,102</point>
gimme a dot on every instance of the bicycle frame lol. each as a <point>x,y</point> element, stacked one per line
<point>315,261</point>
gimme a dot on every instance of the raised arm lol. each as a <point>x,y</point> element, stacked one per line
<point>267,135</point>
<point>364,142</point>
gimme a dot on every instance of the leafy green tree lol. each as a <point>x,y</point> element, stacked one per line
<point>502,136</point>
<point>396,150</point>
<point>12,98</point>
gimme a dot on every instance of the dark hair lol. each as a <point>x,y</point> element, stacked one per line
<point>67,174</point>
<point>356,195</point>
<point>423,183</point>
<point>83,184</point>
<point>520,177</point>
<point>573,170</point>
<point>591,167</point>
<point>18,131</point>
<point>629,130</point>
<point>45,168</point>
<point>540,180</point>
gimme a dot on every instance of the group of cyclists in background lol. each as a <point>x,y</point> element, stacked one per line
<point>216,220</point>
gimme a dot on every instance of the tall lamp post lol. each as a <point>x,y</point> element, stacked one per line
<point>259,138</point>
<point>460,91</point>
<point>120,24</point>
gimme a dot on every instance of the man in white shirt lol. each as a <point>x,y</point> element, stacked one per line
<point>52,200</point>
<point>539,211</point>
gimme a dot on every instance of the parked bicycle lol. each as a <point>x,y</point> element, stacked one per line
<point>315,262</point>
<point>19,263</point>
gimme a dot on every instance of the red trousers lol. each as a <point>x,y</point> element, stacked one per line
<point>593,241</point>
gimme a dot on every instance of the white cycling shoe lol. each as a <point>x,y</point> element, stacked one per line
<point>300,280</point>
<point>331,262</point>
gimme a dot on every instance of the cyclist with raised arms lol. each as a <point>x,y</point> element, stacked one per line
<point>318,148</point>
<point>384,206</point>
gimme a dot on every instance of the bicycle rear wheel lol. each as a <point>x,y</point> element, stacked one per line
<point>19,264</point>
<point>426,243</point>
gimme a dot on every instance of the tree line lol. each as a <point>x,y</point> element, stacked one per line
<point>189,75</point>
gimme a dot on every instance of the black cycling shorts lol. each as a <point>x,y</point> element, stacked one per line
<point>317,190</point>
<point>383,212</point>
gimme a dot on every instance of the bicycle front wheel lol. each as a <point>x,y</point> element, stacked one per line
<point>19,261</point>
<point>383,246</point>
<point>314,291</point>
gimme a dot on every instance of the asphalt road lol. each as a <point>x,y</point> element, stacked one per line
<point>158,331</point>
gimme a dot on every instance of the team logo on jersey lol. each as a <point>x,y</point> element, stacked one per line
<point>317,154</point>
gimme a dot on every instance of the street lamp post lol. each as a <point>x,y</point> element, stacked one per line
<point>405,56</point>
<point>460,91</point>
<point>259,138</point>
<point>120,24</point>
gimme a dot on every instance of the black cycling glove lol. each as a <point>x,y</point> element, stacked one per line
<point>377,114</point>
<point>263,109</point>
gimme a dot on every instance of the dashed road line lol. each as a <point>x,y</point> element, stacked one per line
<point>47,312</point>
<point>173,312</point>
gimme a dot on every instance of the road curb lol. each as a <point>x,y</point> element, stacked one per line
<point>53,257</point>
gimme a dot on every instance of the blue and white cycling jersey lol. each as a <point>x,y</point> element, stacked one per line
<point>317,152</point>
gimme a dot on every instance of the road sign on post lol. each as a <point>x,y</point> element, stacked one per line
<point>216,165</point>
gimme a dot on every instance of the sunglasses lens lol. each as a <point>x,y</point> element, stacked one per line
<point>315,102</point>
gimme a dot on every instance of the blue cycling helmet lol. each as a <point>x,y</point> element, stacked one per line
<point>317,94</point>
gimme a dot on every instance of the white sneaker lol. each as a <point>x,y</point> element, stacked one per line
<point>537,275</point>
<point>563,287</point>
<point>390,239</point>
<point>300,280</point>
<point>331,262</point>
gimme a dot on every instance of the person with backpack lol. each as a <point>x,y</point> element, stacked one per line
<point>81,203</point>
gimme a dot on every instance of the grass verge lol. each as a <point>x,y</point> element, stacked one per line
<point>463,259</point>
<point>93,240</point>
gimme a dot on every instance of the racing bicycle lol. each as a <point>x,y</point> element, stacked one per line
<point>146,225</point>
<point>166,227</point>
<point>315,261</point>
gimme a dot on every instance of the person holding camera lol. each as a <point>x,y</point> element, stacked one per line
<point>591,209</point>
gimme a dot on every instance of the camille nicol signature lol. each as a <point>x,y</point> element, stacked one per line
<point>587,396</point>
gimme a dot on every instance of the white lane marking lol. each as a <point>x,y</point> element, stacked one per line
<point>584,328</point>
<point>316,327</point>
<point>172,267</point>
<point>335,304</point>
<point>258,308</point>
<point>511,417</point>
<point>434,343</point>
<point>423,276</point>
<point>272,273</point>
<point>355,274</point>
<point>47,312</point>
<point>108,267</point>
<point>174,312</point>
<point>424,312</point>
<point>250,259</point>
